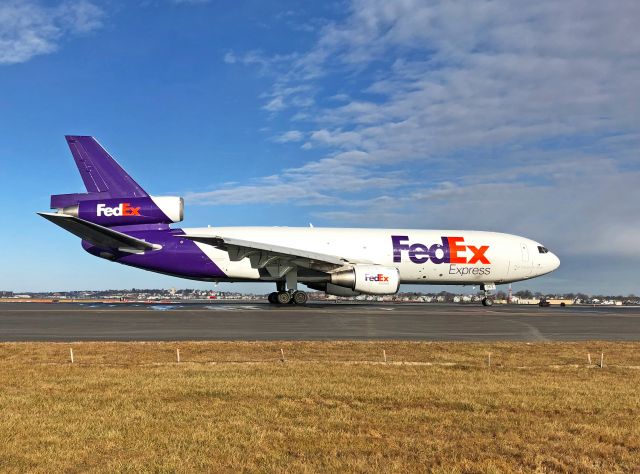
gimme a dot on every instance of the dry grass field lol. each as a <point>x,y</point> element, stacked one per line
<point>229,407</point>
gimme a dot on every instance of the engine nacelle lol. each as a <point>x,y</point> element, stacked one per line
<point>369,279</point>
<point>129,211</point>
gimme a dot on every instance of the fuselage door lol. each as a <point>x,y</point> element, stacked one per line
<point>525,251</point>
<point>527,264</point>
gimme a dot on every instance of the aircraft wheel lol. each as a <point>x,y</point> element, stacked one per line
<point>487,302</point>
<point>283,297</point>
<point>299,297</point>
<point>273,297</point>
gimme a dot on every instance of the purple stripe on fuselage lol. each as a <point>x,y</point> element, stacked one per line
<point>179,257</point>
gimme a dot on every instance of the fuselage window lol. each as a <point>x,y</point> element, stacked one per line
<point>542,249</point>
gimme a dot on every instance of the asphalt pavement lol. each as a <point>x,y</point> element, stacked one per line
<point>261,321</point>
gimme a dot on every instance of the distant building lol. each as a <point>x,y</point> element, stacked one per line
<point>560,301</point>
<point>526,300</point>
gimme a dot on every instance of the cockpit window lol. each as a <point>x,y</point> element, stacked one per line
<point>542,249</point>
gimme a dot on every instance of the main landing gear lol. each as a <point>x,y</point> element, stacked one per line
<point>286,297</point>
<point>486,289</point>
<point>290,295</point>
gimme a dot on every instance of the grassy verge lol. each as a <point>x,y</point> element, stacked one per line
<point>329,407</point>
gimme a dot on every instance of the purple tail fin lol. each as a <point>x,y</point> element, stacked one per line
<point>113,198</point>
<point>103,177</point>
<point>99,171</point>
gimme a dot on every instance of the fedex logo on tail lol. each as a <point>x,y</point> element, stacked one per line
<point>451,250</point>
<point>123,209</point>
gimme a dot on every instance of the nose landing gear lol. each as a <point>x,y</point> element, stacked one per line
<point>486,289</point>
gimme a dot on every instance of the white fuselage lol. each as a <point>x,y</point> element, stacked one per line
<point>421,256</point>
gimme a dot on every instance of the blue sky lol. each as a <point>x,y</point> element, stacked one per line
<point>470,114</point>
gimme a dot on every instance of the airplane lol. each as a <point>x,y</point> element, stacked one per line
<point>118,221</point>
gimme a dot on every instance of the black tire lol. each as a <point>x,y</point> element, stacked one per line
<point>273,297</point>
<point>284,297</point>
<point>299,297</point>
<point>487,302</point>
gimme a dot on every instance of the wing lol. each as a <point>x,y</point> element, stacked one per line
<point>98,235</point>
<point>276,259</point>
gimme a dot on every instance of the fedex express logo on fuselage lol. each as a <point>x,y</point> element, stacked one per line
<point>451,250</point>
<point>123,209</point>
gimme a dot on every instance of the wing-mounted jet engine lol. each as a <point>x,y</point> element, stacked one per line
<point>360,279</point>
<point>368,279</point>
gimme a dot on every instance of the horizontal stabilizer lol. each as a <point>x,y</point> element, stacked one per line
<point>98,235</point>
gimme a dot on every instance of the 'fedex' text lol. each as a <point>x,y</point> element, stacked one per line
<point>124,209</point>
<point>451,250</point>
<point>380,278</point>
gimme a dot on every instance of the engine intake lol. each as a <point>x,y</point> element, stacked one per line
<point>369,279</point>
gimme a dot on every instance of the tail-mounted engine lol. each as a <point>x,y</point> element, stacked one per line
<point>128,211</point>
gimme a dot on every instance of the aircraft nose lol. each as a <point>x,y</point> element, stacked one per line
<point>555,261</point>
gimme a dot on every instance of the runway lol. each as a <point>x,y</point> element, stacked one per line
<point>258,321</point>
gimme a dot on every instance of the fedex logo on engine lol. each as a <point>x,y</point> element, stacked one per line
<point>123,209</point>
<point>380,278</point>
<point>451,250</point>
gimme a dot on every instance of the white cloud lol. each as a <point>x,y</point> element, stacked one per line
<point>275,104</point>
<point>476,74</point>
<point>266,64</point>
<point>337,138</point>
<point>230,58</point>
<point>28,29</point>
<point>316,183</point>
<point>290,136</point>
